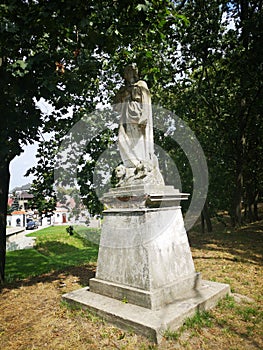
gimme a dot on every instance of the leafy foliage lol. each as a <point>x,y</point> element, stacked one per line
<point>201,61</point>
<point>63,51</point>
<point>220,96</point>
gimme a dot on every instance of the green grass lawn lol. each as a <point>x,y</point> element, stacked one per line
<point>55,249</point>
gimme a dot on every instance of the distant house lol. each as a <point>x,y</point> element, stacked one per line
<point>19,207</point>
<point>24,199</point>
<point>17,219</point>
<point>10,201</point>
<point>20,197</point>
<point>21,211</point>
<point>61,215</point>
<point>58,217</point>
<point>21,188</point>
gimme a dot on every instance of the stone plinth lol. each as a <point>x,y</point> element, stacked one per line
<point>144,257</point>
<point>143,196</point>
<point>145,262</point>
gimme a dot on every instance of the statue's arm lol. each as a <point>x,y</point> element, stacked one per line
<point>146,103</point>
<point>119,98</point>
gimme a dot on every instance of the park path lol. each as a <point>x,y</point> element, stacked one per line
<point>16,238</point>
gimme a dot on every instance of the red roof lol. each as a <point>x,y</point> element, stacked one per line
<point>18,212</point>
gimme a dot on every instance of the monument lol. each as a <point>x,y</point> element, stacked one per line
<point>145,279</point>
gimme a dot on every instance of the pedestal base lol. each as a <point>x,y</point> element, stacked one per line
<point>147,322</point>
<point>153,299</point>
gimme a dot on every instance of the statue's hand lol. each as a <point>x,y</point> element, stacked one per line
<point>142,121</point>
<point>142,127</point>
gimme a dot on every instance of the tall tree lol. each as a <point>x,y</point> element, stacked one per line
<point>221,95</point>
<point>57,50</point>
<point>140,39</point>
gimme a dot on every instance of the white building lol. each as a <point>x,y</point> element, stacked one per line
<point>60,216</point>
<point>17,219</point>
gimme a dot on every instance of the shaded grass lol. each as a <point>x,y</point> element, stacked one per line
<point>55,249</point>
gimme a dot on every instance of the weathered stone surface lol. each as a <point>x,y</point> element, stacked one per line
<point>147,322</point>
<point>143,196</point>
<point>135,136</point>
<point>153,299</point>
<point>141,251</point>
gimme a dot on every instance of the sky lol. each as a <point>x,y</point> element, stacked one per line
<point>20,164</point>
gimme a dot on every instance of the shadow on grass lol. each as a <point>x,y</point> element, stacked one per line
<point>245,244</point>
<point>83,274</point>
<point>67,253</point>
<point>49,256</point>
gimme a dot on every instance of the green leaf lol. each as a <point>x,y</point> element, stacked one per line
<point>20,64</point>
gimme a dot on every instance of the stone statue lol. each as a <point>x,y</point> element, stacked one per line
<point>135,139</point>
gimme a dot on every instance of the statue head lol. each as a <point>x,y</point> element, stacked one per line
<point>131,72</point>
<point>120,171</point>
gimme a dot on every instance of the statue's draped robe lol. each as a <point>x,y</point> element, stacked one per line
<point>136,129</point>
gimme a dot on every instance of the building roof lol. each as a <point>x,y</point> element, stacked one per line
<point>18,212</point>
<point>25,195</point>
<point>61,209</point>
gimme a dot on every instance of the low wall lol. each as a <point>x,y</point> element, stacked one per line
<point>14,233</point>
<point>16,239</point>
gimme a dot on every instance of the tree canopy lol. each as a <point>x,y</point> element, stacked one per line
<point>62,51</point>
<point>222,98</point>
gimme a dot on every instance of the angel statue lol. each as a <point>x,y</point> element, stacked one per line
<point>135,139</point>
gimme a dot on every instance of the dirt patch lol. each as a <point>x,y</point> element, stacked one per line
<point>32,315</point>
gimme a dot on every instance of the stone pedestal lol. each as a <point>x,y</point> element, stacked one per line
<point>144,257</point>
<point>145,262</point>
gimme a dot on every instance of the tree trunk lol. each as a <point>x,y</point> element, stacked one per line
<point>202,222</point>
<point>4,186</point>
<point>250,214</point>
<point>242,123</point>
<point>237,198</point>
<point>206,216</point>
<point>256,217</point>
